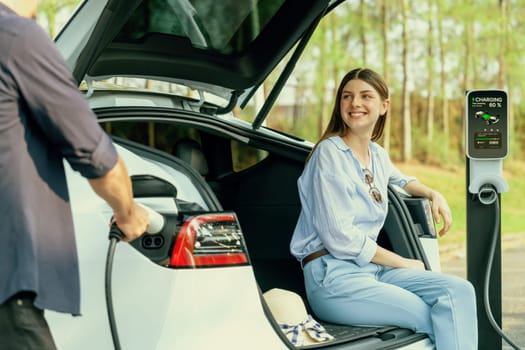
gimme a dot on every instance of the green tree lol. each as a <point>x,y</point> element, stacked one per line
<point>441,43</point>
<point>50,11</point>
<point>363,29</point>
<point>405,93</point>
<point>385,28</point>
<point>430,73</point>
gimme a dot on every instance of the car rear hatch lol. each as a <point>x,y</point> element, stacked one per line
<point>224,47</point>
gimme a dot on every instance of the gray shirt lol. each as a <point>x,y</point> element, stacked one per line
<point>43,119</point>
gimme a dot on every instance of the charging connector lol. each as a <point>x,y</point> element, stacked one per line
<point>156,225</point>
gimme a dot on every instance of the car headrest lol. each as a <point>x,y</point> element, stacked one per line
<point>190,151</point>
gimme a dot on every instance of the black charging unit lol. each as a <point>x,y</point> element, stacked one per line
<point>487,139</point>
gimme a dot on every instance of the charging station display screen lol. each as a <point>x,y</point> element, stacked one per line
<point>488,140</point>
<point>487,133</point>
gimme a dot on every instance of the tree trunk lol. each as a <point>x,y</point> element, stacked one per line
<point>503,9</point>
<point>386,70</point>
<point>430,82</point>
<point>443,79</point>
<point>466,84</point>
<point>321,77</point>
<point>363,25</point>
<point>504,33</point>
<point>405,105</point>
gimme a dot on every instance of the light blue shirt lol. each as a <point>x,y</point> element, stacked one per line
<point>337,211</point>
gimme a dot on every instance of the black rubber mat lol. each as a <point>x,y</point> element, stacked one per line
<point>343,334</point>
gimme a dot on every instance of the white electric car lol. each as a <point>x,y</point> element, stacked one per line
<point>226,187</point>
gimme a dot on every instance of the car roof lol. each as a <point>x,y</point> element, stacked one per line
<point>228,46</point>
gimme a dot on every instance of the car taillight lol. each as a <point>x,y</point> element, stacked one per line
<point>213,239</point>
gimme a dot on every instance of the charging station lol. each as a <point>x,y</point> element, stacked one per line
<point>487,139</point>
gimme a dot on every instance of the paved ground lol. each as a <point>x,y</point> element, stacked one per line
<point>513,280</point>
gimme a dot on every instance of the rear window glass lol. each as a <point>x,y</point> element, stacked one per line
<point>244,156</point>
<point>227,26</point>
<point>156,135</point>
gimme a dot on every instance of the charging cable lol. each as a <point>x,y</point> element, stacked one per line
<point>115,235</point>
<point>488,195</point>
<point>156,224</point>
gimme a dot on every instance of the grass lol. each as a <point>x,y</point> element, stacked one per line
<point>451,183</point>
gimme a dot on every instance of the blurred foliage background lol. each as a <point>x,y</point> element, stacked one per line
<point>430,52</point>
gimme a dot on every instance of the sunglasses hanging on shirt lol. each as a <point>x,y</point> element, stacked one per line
<point>374,191</point>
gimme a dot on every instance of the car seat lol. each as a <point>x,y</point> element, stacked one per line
<point>190,151</point>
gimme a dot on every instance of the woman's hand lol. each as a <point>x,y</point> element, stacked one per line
<point>388,258</point>
<point>413,264</point>
<point>441,210</point>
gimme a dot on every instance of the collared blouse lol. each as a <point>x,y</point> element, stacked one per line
<point>338,212</point>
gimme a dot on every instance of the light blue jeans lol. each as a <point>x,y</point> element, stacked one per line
<point>442,306</point>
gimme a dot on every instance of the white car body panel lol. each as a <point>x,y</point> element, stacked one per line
<point>155,307</point>
<point>79,29</point>
<point>424,344</point>
<point>431,248</point>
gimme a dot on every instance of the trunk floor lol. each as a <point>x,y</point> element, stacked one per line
<point>344,334</point>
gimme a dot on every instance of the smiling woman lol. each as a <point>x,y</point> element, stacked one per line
<point>349,277</point>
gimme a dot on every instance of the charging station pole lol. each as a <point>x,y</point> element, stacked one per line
<point>487,145</point>
<point>480,219</point>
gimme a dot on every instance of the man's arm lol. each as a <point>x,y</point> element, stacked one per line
<point>115,188</point>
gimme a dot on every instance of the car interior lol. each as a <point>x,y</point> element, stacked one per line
<point>264,196</point>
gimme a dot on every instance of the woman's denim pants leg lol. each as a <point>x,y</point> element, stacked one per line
<point>440,305</point>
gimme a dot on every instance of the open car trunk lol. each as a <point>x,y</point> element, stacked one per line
<point>267,204</point>
<point>265,198</point>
